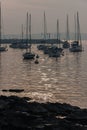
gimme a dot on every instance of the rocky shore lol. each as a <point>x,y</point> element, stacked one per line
<point>20,113</point>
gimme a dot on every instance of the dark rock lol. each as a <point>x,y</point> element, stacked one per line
<point>5,90</point>
<point>13,90</point>
<point>17,113</point>
<point>16,90</point>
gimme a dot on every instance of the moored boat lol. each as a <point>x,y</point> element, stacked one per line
<point>56,51</point>
<point>76,46</point>
<point>66,43</point>
<point>28,54</point>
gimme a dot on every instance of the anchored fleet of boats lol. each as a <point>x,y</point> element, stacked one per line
<point>53,50</point>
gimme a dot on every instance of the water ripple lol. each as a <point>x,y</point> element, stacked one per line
<point>62,80</point>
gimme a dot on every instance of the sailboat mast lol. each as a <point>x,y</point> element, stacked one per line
<point>45,28</point>
<point>27,32</point>
<point>22,33</point>
<point>78,29</point>
<point>57,29</point>
<point>0,23</point>
<point>67,34</point>
<point>58,35</point>
<point>75,27</point>
<point>30,30</point>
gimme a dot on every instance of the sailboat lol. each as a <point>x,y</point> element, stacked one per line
<point>46,46</point>
<point>76,46</point>
<point>66,43</point>
<point>28,54</point>
<point>22,45</point>
<point>56,51</point>
<point>60,49</point>
<point>2,48</point>
<point>17,44</point>
<point>43,46</point>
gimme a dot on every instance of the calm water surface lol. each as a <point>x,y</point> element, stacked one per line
<point>62,80</point>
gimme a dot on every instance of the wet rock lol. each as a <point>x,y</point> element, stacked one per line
<point>16,90</point>
<point>18,113</point>
<point>5,90</point>
<point>13,90</point>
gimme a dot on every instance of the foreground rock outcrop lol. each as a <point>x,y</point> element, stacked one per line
<point>19,113</point>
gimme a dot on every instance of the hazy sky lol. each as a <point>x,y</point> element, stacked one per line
<point>14,14</point>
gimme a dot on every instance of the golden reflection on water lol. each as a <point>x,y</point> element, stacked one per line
<point>63,79</point>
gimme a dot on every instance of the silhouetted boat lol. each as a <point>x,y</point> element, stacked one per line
<point>44,46</point>
<point>66,43</point>
<point>14,45</point>
<point>23,45</point>
<point>19,44</point>
<point>41,47</point>
<point>76,46</point>
<point>3,48</point>
<point>56,51</point>
<point>28,54</point>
